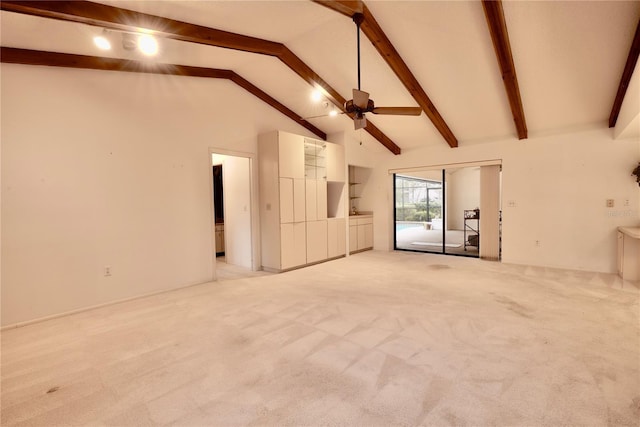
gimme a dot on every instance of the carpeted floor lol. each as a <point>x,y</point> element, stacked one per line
<point>376,339</point>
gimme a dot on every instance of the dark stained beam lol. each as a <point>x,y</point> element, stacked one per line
<point>383,45</point>
<point>345,7</point>
<point>116,18</point>
<point>632,59</point>
<point>53,59</point>
<point>122,19</point>
<point>498,28</point>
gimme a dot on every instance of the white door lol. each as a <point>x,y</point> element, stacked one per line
<point>237,208</point>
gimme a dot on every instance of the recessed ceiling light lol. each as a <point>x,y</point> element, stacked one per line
<point>316,95</point>
<point>102,42</point>
<point>148,44</point>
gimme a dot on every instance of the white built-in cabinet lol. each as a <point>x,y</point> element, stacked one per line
<point>301,200</point>
<point>336,237</point>
<point>360,233</point>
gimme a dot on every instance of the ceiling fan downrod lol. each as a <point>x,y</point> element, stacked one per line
<point>358,18</point>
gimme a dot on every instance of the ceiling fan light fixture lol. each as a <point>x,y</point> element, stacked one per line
<point>333,113</point>
<point>360,121</point>
<point>316,95</point>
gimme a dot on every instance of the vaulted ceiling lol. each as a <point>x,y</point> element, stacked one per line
<point>569,58</point>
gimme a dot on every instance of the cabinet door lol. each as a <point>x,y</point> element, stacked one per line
<point>290,155</point>
<point>368,235</point>
<point>341,244</point>
<point>321,197</point>
<point>332,238</point>
<point>287,246</point>
<point>300,244</point>
<point>335,163</point>
<point>316,241</point>
<point>336,237</point>
<point>292,245</point>
<point>299,202</point>
<point>361,236</point>
<point>311,198</point>
<point>353,238</point>
<point>286,200</point>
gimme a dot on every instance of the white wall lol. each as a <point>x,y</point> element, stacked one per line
<point>559,184</point>
<point>106,168</point>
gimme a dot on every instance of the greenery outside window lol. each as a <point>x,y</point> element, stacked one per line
<point>418,199</point>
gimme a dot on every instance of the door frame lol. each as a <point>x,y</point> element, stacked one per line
<point>253,205</point>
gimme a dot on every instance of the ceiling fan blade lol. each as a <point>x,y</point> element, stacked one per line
<point>360,98</point>
<point>398,111</point>
<point>359,122</point>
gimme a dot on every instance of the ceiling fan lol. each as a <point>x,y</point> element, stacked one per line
<point>361,103</point>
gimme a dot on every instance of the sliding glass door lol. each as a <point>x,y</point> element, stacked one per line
<point>419,212</point>
<point>438,211</point>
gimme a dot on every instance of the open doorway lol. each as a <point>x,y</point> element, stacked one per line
<point>232,194</point>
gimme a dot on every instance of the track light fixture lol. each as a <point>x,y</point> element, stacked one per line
<point>147,44</point>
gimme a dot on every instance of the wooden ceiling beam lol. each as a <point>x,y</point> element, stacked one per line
<point>498,28</point>
<point>345,7</point>
<point>383,45</point>
<point>54,59</point>
<point>116,18</point>
<point>630,65</point>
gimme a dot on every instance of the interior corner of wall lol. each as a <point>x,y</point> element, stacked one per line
<point>630,130</point>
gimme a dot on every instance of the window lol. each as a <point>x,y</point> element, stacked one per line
<point>418,199</point>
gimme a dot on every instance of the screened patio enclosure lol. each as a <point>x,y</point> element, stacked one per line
<point>438,211</point>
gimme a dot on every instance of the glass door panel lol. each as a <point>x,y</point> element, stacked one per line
<point>419,212</point>
<point>462,231</point>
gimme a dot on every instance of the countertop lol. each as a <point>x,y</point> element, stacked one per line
<point>633,232</point>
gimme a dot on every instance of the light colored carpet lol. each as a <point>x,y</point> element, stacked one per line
<point>225,271</point>
<point>376,339</point>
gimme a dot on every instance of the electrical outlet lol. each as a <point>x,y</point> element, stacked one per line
<point>537,243</point>
<point>511,203</point>
<point>626,202</point>
<point>107,271</point>
<point>610,203</point>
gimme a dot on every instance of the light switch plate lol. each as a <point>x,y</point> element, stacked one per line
<point>609,203</point>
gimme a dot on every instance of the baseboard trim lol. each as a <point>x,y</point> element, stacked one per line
<point>92,307</point>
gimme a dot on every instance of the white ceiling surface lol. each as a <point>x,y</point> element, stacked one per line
<point>569,58</point>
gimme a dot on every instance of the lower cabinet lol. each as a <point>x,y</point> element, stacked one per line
<point>360,233</point>
<point>316,241</point>
<point>336,237</point>
<point>293,245</point>
<point>219,239</point>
